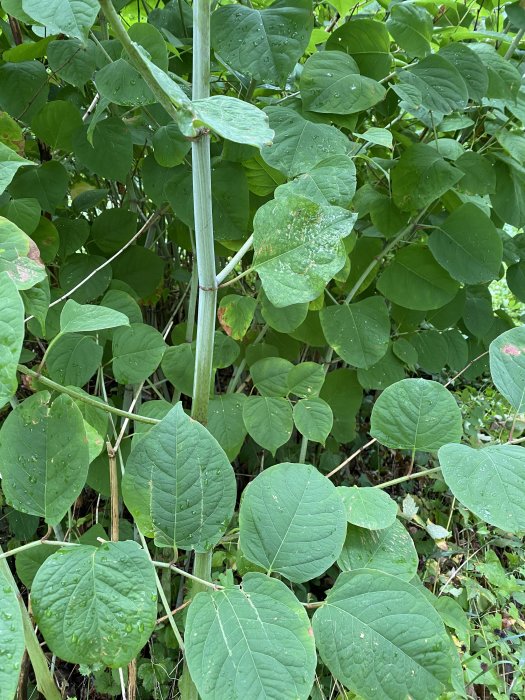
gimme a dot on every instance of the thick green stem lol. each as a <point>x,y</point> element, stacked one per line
<point>44,678</point>
<point>204,246</point>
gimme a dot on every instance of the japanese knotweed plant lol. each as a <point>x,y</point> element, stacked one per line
<point>176,429</point>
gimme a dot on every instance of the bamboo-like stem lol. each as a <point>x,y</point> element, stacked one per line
<point>44,678</point>
<point>36,543</point>
<point>113,487</point>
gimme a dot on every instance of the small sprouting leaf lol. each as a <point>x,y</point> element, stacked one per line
<point>268,420</point>
<point>179,484</point>
<point>410,509</point>
<point>507,366</point>
<point>373,622</point>
<point>313,418</point>
<point>490,482</point>
<point>44,456</point>
<point>292,520</point>
<point>437,532</point>
<point>10,161</point>
<point>360,332</point>
<point>298,247</point>
<point>11,336</point>
<point>83,318</point>
<point>416,414</point>
<point>96,605</point>
<point>71,17</point>
<point>265,649</point>
<point>12,643</point>
<point>368,507</point>
<point>390,549</point>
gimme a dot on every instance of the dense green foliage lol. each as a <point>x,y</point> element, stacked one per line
<point>313,458</point>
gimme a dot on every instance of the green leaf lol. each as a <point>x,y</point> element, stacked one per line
<point>12,645</point>
<point>507,366</point>
<point>71,17</point>
<point>331,181</point>
<point>24,89</point>
<point>226,424</point>
<point>233,119</point>
<point>299,145</point>
<point>262,642</point>
<point>44,456</point>
<point>470,67</point>
<point>83,318</point>
<point>36,302</point>
<point>74,359</point>
<point>268,421</point>
<point>381,375</point>
<point>331,84</point>
<point>439,83</point>
<point>368,42</point>
<point>504,77</point>
<point>89,273</point>
<point>298,247</point>
<point>110,155</point>
<point>284,319</point>
<point>235,314</point>
<point>263,44</point>
<point>360,332</point>
<point>270,376</point>
<point>170,146</point>
<point>113,228</point>
<point>368,507</point>
<point>137,352</point>
<point>19,256</point>
<point>421,176</point>
<point>390,549</point>
<point>508,200</point>
<point>342,393</point>
<point>411,28</point>
<point>416,414</point>
<point>414,280</point>
<point>47,183</point>
<point>178,365</point>
<point>313,418</point>
<point>292,521</point>
<point>96,605</point>
<point>306,379</point>
<point>10,162</point>
<point>56,123</point>
<point>72,60</point>
<point>373,623</point>
<point>179,484</point>
<point>11,336</point>
<point>479,177</point>
<point>489,482</point>
<point>468,246</point>
<point>29,561</point>
<point>25,213</point>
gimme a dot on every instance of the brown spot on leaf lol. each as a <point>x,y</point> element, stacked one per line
<point>34,253</point>
<point>220,315</point>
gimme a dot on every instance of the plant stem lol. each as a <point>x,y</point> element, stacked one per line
<point>512,48</point>
<point>401,479</point>
<point>36,543</point>
<point>103,406</point>
<point>44,678</point>
<point>236,258</point>
<point>204,583</point>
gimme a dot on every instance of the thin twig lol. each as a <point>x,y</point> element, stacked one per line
<point>349,459</point>
<point>186,574</point>
<point>174,612</point>
<point>233,262</point>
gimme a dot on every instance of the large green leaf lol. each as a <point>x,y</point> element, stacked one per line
<point>137,352</point>
<point>439,83</point>
<point>507,366</point>
<point>368,507</point>
<point>331,181</point>
<point>368,42</point>
<point>225,422</point>
<point>508,200</point>
<point>421,176</point>
<point>12,644</point>
<point>72,60</point>
<point>411,28</point>
<point>342,393</point>
<point>234,120</point>
<point>415,281</point>
<point>71,17</point>
<point>470,67</point>
<point>299,145</point>
<point>268,420</point>
<point>24,89</point>
<point>74,359</point>
<point>416,414</point>
<point>19,256</point>
<point>381,637</point>
<point>56,123</point>
<point>47,183</point>
<point>44,456</point>
<point>179,484</point>
<point>270,376</point>
<point>11,336</point>
<point>262,642</point>
<point>331,83</point>
<point>292,520</point>
<point>390,549</point>
<point>96,605</point>
<point>10,162</point>
<point>490,482</point>
<point>306,379</point>
<point>360,332</point>
<point>298,247</point>
<point>468,245</point>
<point>264,44</point>
<point>82,318</point>
<point>110,153</point>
